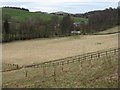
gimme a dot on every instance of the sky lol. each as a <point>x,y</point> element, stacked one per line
<point>70,6</point>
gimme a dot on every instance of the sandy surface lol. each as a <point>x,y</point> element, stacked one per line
<point>37,51</point>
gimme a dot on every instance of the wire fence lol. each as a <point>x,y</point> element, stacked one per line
<point>78,58</point>
<point>73,59</point>
<point>13,37</point>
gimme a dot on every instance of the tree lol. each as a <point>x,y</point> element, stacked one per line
<point>6,26</point>
<point>102,20</point>
<point>48,29</point>
<point>82,26</point>
<point>52,27</point>
<point>67,25</point>
<point>31,25</point>
<point>55,24</point>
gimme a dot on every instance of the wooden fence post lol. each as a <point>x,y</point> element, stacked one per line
<point>44,72</point>
<point>90,63</point>
<point>98,55</point>
<point>17,67</point>
<point>106,53</point>
<point>114,51</point>
<point>84,57</point>
<point>26,73</point>
<point>67,61</point>
<point>62,66</point>
<point>54,73</point>
<point>81,66</point>
<point>91,56</point>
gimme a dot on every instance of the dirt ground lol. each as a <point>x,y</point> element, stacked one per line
<point>41,50</point>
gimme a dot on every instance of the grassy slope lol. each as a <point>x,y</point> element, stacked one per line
<point>102,74</point>
<point>111,30</point>
<point>21,15</point>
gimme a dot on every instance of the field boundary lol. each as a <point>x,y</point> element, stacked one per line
<point>16,37</point>
<point>68,60</point>
<point>106,33</point>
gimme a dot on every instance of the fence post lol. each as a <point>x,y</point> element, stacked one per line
<point>67,61</point>
<point>62,66</point>
<point>114,51</point>
<point>26,73</point>
<point>91,56</point>
<point>90,62</point>
<point>98,55</point>
<point>106,53</point>
<point>17,66</point>
<point>44,72</point>
<point>84,57</point>
<point>54,73</point>
<point>80,65</point>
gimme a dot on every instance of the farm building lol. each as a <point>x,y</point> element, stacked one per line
<point>76,24</point>
<point>75,32</point>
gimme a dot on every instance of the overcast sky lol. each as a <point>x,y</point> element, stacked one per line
<point>71,6</point>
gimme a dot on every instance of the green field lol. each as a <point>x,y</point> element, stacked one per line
<point>22,15</point>
<point>101,73</point>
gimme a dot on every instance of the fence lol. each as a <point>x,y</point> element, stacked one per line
<point>97,64</point>
<point>10,67</point>
<point>67,60</point>
<point>78,58</point>
<point>53,69</point>
<point>13,37</point>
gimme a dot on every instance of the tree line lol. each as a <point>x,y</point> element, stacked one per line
<point>37,28</point>
<point>24,9</point>
<point>102,20</point>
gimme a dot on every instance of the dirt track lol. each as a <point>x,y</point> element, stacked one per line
<point>36,51</point>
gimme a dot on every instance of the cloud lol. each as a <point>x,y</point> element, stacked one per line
<point>58,1</point>
<point>72,6</point>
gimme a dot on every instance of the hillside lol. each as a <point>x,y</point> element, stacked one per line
<point>110,31</point>
<point>16,14</point>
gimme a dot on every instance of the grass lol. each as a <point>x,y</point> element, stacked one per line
<point>102,73</point>
<point>111,30</point>
<point>22,15</point>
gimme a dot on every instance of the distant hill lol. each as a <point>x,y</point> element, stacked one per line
<point>18,15</point>
<point>60,13</point>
